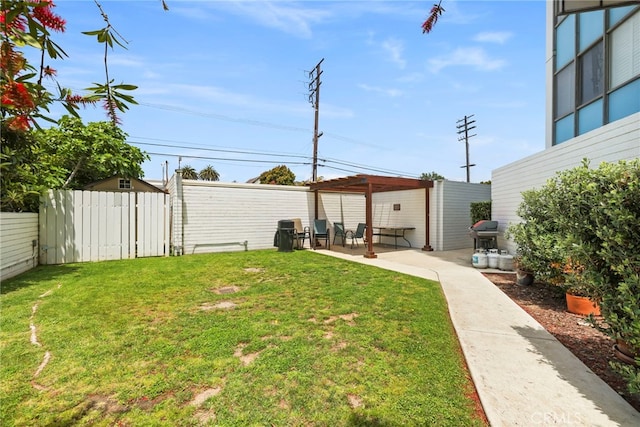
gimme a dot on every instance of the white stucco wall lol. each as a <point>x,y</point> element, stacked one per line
<point>616,141</point>
<point>451,213</point>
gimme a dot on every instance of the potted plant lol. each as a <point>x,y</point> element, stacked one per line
<point>524,273</point>
<point>578,293</point>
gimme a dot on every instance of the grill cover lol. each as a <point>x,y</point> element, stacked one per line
<point>485,225</point>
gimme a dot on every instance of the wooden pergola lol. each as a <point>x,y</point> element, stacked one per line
<point>369,184</point>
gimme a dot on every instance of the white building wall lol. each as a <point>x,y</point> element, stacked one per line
<point>456,212</point>
<point>616,141</point>
<point>348,208</point>
<point>221,216</point>
<point>411,214</point>
<point>174,187</point>
<point>18,232</point>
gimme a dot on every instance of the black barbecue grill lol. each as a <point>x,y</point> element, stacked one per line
<point>485,234</point>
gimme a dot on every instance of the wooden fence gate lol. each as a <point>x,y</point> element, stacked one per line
<point>80,226</point>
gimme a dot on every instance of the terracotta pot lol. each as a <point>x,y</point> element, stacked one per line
<point>625,353</point>
<point>581,305</point>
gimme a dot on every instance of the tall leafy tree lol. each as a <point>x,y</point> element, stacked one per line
<point>209,174</point>
<point>188,172</point>
<point>70,155</point>
<point>431,176</point>
<point>280,175</point>
<point>88,153</point>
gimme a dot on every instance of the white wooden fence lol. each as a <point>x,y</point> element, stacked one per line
<point>79,226</point>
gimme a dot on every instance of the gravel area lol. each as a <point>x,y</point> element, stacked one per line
<point>548,307</point>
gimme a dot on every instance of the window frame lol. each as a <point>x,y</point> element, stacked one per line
<point>124,184</point>
<point>577,61</point>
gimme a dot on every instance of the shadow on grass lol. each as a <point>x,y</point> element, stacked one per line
<point>36,276</point>
<point>362,420</point>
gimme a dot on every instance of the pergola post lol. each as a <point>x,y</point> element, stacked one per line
<point>427,211</point>
<point>369,220</point>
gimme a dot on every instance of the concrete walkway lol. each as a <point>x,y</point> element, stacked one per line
<point>523,374</point>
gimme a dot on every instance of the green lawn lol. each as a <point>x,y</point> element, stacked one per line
<point>311,341</point>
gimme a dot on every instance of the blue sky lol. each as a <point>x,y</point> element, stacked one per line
<point>228,81</point>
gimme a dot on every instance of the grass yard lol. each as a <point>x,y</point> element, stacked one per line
<point>233,339</point>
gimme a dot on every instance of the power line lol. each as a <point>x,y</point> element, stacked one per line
<point>359,167</point>
<point>221,158</point>
<point>218,150</point>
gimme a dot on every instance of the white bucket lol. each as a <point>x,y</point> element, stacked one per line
<point>479,259</point>
<point>492,258</point>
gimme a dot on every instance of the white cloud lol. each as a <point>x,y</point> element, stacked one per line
<point>388,92</point>
<point>219,97</point>
<point>411,78</point>
<point>499,37</point>
<point>467,56</point>
<point>283,16</point>
<point>394,48</point>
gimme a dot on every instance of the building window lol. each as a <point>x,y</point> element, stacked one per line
<point>564,129</point>
<point>565,89</point>
<point>124,184</point>
<point>592,73</point>
<point>617,13</point>
<point>591,28</point>
<point>590,117</point>
<point>624,101</point>
<point>624,45</point>
<point>597,70</point>
<point>565,41</point>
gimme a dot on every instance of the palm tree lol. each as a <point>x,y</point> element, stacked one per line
<point>189,173</point>
<point>209,174</point>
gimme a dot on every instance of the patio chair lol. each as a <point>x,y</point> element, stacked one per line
<point>320,231</point>
<point>339,231</point>
<point>300,232</point>
<point>359,234</point>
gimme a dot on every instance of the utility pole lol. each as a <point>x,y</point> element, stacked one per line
<point>314,99</point>
<point>464,126</point>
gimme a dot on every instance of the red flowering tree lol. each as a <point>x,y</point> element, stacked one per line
<point>30,24</point>
<point>434,14</point>
<point>26,166</point>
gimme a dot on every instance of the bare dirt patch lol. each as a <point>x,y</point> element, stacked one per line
<point>549,308</point>
<point>346,317</point>
<point>283,404</point>
<point>223,305</point>
<point>246,359</point>
<point>354,401</point>
<point>339,346</point>
<point>225,290</point>
<point>202,397</point>
<point>205,416</point>
<point>105,404</point>
<point>253,270</point>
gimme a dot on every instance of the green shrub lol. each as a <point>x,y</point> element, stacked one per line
<point>540,249</point>
<point>590,218</point>
<point>480,211</point>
